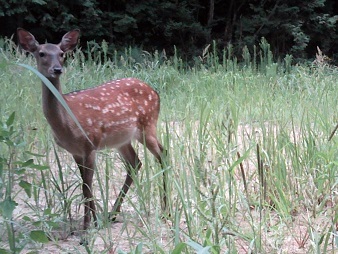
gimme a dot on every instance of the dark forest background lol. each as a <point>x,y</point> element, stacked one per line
<point>289,26</point>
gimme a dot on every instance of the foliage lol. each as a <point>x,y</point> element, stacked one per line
<point>12,174</point>
<point>250,165</point>
<point>290,27</point>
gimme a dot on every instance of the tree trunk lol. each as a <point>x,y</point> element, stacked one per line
<point>211,12</point>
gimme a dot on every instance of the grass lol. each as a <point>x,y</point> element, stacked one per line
<point>250,166</point>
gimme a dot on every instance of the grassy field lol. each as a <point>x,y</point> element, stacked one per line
<point>250,166</point>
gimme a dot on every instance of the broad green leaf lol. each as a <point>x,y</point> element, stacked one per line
<point>27,187</point>
<point>39,236</point>
<point>10,120</point>
<point>179,248</point>
<point>26,218</point>
<point>194,245</point>
<point>199,248</point>
<point>138,249</point>
<point>27,163</point>
<point>7,207</point>
<point>47,211</point>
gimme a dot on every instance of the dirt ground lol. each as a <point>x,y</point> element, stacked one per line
<point>293,237</point>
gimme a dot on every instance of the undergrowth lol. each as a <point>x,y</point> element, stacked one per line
<point>250,166</point>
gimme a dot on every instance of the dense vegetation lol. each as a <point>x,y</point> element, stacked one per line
<point>251,168</point>
<point>290,27</point>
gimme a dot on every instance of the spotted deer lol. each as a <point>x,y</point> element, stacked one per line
<point>112,115</point>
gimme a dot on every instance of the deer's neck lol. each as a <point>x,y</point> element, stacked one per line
<point>52,108</point>
<point>65,133</point>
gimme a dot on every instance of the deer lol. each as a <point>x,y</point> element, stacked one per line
<point>112,115</point>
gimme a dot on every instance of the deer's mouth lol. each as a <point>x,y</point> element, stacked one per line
<point>54,73</point>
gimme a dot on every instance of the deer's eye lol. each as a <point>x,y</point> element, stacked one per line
<point>62,55</point>
<point>41,54</point>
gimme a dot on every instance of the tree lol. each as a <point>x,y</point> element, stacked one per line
<point>291,27</point>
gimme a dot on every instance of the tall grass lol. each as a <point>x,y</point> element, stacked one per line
<point>250,166</point>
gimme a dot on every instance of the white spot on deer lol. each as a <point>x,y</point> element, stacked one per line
<point>96,107</point>
<point>88,106</point>
<point>127,84</point>
<point>100,123</point>
<point>104,89</point>
<point>141,109</point>
<point>105,111</point>
<point>137,113</point>
<point>103,94</point>
<point>145,102</point>
<point>124,110</point>
<point>150,97</point>
<point>124,121</point>
<point>120,101</point>
<point>135,90</point>
<point>89,121</point>
<point>141,91</point>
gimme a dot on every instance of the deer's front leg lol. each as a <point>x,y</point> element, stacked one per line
<point>87,165</point>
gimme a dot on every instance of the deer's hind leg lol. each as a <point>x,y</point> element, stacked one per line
<point>132,163</point>
<point>155,147</point>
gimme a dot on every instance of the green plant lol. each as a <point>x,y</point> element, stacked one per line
<point>213,115</point>
<point>12,173</point>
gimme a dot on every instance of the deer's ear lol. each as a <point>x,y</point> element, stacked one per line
<point>69,40</point>
<point>27,40</point>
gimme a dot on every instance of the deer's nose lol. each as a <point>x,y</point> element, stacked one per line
<point>57,70</point>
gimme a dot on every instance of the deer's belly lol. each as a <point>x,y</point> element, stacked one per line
<point>118,139</point>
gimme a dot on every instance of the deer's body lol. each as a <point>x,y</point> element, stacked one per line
<point>112,115</point>
<point>109,121</point>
